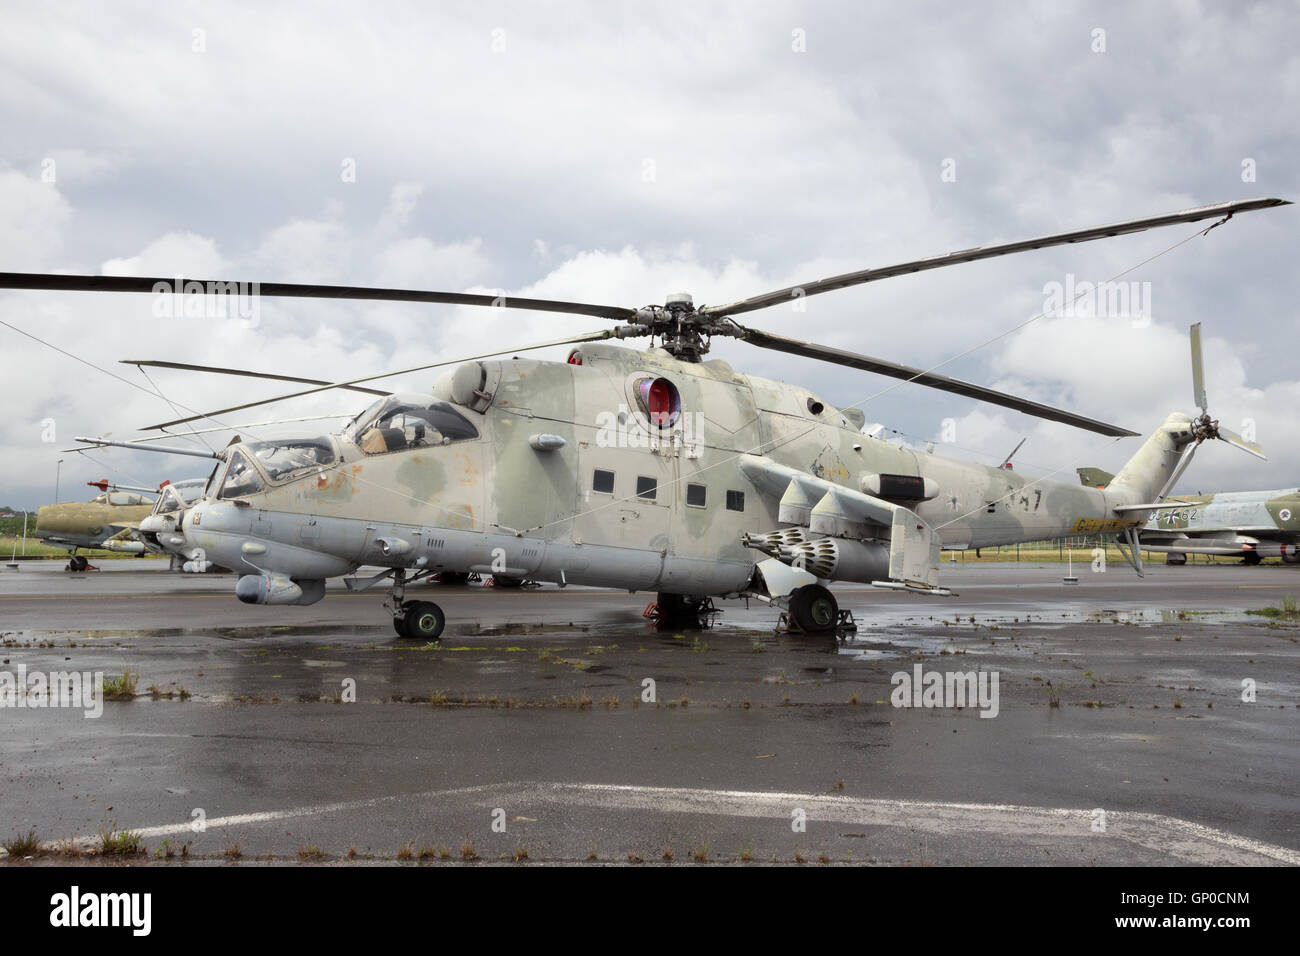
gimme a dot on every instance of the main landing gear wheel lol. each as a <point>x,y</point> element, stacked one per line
<point>421,620</point>
<point>1175,558</point>
<point>506,581</point>
<point>1251,557</point>
<point>453,577</point>
<point>814,608</point>
<point>78,562</point>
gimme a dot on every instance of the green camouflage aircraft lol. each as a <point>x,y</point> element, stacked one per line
<point>1252,525</point>
<point>108,521</point>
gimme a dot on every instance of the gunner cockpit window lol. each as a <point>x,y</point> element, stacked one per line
<point>241,478</point>
<point>168,503</point>
<point>179,495</point>
<point>402,421</point>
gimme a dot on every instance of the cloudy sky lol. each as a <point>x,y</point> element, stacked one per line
<point>617,153</point>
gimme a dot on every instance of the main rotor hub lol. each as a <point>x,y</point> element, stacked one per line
<point>682,329</point>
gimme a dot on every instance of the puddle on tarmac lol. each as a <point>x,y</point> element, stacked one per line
<point>1166,615</point>
<point>521,627</point>
<point>224,633</point>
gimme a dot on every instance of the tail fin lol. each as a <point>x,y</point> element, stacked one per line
<point>1147,473</point>
<point>1094,477</point>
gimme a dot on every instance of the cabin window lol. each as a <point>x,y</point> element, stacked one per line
<point>695,495</point>
<point>646,487</point>
<point>603,482</point>
<point>735,501</point>
<point>241,479</point>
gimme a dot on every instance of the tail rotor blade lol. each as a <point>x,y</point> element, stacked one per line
<point>1250,447</point>
<point>1198,370</point>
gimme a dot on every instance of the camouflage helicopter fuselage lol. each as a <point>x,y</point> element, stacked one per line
<point>561,476</point>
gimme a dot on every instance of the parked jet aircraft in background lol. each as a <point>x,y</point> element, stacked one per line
<point>1252,525</point>
<point>108,521</point>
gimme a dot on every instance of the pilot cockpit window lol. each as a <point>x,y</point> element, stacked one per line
<point>403,421</point>
<point>241,478</point>
<point>283,457</point>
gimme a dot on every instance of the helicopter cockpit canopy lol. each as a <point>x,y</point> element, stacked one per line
<point>179,495</point>
<point>283,457</point>
<point>408,421</point>
<point>240,478</point>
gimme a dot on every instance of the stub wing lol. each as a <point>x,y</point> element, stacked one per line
<point>851,535</point>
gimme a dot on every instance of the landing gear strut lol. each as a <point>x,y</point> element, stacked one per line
<point>419,620</point>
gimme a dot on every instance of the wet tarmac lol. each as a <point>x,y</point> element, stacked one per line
<point>1120,734</point>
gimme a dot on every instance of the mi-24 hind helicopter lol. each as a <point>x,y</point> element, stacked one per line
<point>639,470</point>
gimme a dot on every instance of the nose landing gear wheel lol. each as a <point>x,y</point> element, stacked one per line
<point>421,620</point>
<point>814,608</point>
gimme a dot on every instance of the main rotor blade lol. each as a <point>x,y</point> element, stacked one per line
<point>621,332</point>
<point>230,428</point>
<point>47,281</point>
<point>930,380</point>
<point>239,371</point>
<point>1198,369</point>
<point>988,252</point>
<point>249,425</point>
